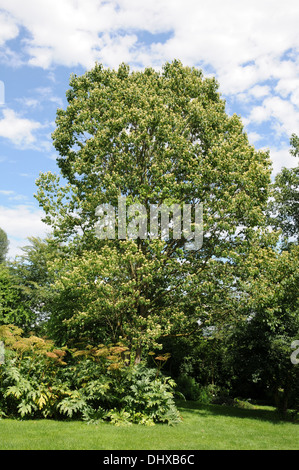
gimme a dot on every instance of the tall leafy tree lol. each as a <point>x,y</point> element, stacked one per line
<point>153,137</point>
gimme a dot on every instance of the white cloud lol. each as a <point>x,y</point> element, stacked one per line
<point>41,96</point>
<point>259,91</point>
<point>282,158</point>
<point>29,102</point>
<point>259,114</point>
<point>19,130</point>
<point>46,94</point>
<point>63,32</point>
<point>254,137</point>
<point>5,192</point>
<point>251,47</point>
<point>243,43</point>
<point>21,222</point>
<point>8,28</point>
<point>284,114</point>
<point>225,35</point>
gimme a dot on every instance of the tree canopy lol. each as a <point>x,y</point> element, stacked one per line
<point>155,138</point>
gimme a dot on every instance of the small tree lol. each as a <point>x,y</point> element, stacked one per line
<point>261,345</point>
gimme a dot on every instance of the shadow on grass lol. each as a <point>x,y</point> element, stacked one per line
<point>269,414</point>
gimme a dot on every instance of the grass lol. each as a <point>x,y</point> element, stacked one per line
<point>204,427</point>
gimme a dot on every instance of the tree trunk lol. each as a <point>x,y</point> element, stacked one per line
<point>138,355</point>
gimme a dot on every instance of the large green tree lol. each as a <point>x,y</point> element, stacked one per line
<point>152,137</point>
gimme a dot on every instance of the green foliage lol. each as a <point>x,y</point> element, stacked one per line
<point>188,386</point>
<point>283,208</point>
<point>31,271</point>
<point>150,396</point>
<point>155,137</point>
<point>38,380</point>
<point>244,404</point>
<point>193,391</point>
<point>14,307</point>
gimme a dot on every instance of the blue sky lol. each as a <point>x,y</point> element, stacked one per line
<point>252,48</point>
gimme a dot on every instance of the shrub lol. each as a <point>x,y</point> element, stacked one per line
<point>38,380</point>
<point>188,387</point>
<point>151,396</point>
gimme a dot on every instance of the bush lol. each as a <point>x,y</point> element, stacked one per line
<point>188,387</point>
<point>38,380</point>
<point>191,390</point>
<point>149,396</point>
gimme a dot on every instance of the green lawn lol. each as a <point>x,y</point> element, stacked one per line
<point>204,427</point>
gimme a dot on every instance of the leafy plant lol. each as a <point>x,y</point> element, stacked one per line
<point>151,395</point>
<point>93,384</point>
<point>189,387</point>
